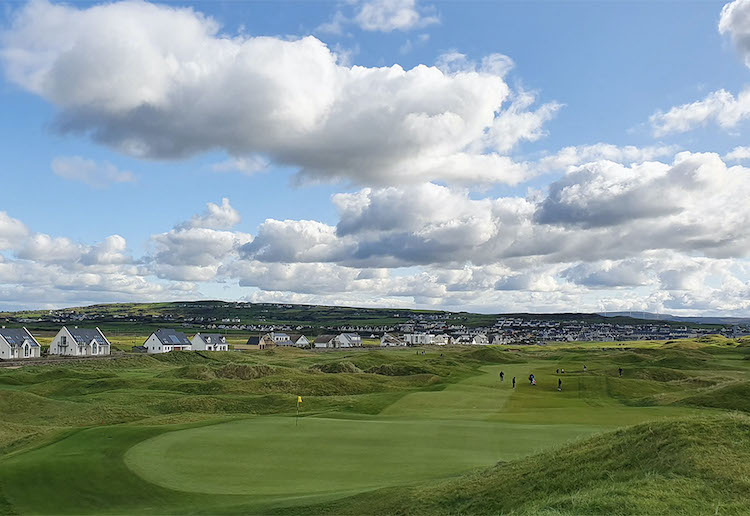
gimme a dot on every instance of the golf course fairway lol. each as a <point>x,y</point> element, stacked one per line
<point>426,435</point>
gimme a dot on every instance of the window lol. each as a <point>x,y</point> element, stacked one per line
<point>26,349</point>
<point>94,348</point>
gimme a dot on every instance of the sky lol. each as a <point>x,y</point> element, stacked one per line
<point>490,156</point>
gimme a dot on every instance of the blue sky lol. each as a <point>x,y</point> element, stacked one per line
<point>592,72</point>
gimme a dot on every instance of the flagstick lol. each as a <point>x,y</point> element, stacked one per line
<point>296,420</point>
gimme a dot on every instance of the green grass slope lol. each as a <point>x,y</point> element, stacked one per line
<point>698,465</point>
<point>214,433</point>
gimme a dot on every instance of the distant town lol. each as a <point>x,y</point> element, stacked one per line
<point>269,324</point>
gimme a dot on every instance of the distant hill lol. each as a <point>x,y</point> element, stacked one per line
<point>197,313</point>
<point>676,318</point>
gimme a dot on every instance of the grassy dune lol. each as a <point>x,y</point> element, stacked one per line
<point>698,465</point>
<point>382,432</point>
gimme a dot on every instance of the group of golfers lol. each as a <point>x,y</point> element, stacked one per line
<point>532,378</point>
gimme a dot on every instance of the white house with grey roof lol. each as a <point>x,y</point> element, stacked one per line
<point>18,343</point>
<point>209,342</point>
<point>164,341</point>
<point>80,342</point>
<point>349,340</point>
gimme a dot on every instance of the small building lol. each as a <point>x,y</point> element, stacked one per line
<point>166,340</point>
<point>419,339</point>
<point>389,340</point>
<point>261,342</point>
<point>281,339</point>
<point>480,340</point>
<point>299,340</point>
<point>499,339</point>
<point>18,343</point>
<point>209,342</point>
<point>80,342</point>
<point>349,340</point>
<point>442,340</point>
<point>326,342</point>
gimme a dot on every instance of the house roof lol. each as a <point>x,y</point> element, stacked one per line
<point>255,339</point>
<point>324,338</point>
<point>16,336</point>
<point>212,338</point>
<point>170,337</point>
<point>294,337</point>
<point>86,335</point>
<point>281,335</point>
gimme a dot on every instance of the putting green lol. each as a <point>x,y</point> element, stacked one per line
<point>272,456</point>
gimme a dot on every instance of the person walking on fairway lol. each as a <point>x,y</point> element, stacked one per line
<point>584,368</point>
<point>502,376</point>
<point>531,378</point>
<point>559,384</point>
<point>621,372</point>
<point>514,382</point>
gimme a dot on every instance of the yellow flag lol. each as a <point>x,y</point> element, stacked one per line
<point>299,399</point>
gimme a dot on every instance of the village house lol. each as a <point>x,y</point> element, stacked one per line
<point>325,342</point>
<point>164,341</point>
<point>209,342</point>
<point>419,339</point>
<point>299,340</point>
<point>18,343</point>
<point>499,338</point>
<point>349,340</point>
<point>480,340</point>
<point>389,340</point>
<point>80,342</point>
<point>442,340</point>
<point>260,342</point>
<point>281,339</point>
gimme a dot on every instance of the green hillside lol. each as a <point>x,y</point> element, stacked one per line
<point>382,432</point>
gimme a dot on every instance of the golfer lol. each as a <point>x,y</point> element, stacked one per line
<point>514,382</point>
<point>621,372</point>
<point>502,376</point>
<point>559,384</point>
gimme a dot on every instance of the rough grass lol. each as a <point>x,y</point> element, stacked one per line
<point>699,465</point>
<point>119,402</point>
<point>733,396</point>
<point>344,366</point>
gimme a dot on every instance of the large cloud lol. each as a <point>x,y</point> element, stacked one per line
<point>12,231</point>
<point>735,22</point>
<point>597,211</point>
<point>438,247</point>
<point>160,82</point>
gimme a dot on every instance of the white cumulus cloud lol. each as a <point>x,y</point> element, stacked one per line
<point>161,94</point>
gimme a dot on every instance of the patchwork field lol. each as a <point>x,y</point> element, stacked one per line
<point>382,432</point>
